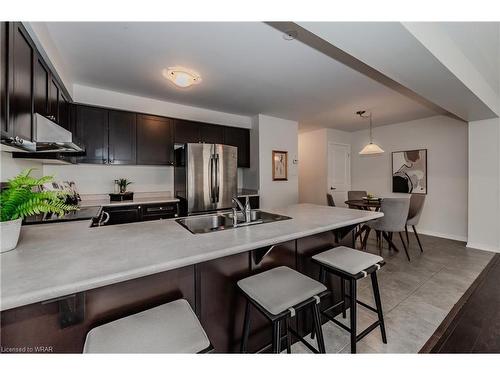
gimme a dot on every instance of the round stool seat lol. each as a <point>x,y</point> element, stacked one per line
<point>280,288</point>
<point>347,260</point>
<point>169,328</point>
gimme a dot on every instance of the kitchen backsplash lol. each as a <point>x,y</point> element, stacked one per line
<point>99,179</point>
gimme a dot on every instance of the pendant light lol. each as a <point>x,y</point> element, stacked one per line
<point>371,148</point>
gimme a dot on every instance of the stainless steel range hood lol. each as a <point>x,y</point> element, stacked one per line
<point>48,137</point>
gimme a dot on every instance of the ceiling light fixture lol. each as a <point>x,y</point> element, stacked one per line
<point>290,34</point>
<point>182,77</point>
<point>371,148</point>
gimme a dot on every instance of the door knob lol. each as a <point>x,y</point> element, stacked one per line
<point>332,188</point>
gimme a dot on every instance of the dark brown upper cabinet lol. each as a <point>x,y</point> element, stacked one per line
<point>28,86</point>
<point>187,131</point>
<point>211,133</point>
<point>92,130</point>
<point>4,54</point>
<point>122,137</point>
<point>154,140</point>
<point>42,87</point>
<point>197,132</point>
<point>21,70</point>
<point>54,101</point>
<point>240,138</point>
<point>64,117</point>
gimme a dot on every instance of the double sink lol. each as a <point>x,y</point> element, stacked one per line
<point>225,220</point>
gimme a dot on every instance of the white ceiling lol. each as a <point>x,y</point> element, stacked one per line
<point>480,43</point>
<point>247,68</point>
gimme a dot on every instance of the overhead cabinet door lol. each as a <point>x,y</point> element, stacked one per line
<point>122,137</point>
<point>211,133</point>
<point>21,94</point>
<point>187,131</point>
<point>4,45</point>
<point>240,138</point>
<point>92,131</point>
<point>154,140</point>
<point>42,77</point>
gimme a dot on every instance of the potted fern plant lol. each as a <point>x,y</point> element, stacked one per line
<point>22,198</point>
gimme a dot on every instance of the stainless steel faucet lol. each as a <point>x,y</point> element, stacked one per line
<point>245,211</point>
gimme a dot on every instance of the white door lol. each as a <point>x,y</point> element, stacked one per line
<point>339,172</point>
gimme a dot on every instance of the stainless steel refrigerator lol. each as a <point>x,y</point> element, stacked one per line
<point>205,176</point>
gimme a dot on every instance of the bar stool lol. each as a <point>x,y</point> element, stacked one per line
<point>169,328</point>
<point>278,293</point>
<point>351,265</point>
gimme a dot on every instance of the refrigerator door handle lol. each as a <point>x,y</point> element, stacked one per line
<point>217,178</point>
<point>211,190</point>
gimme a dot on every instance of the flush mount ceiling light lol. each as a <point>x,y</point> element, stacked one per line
<point>181,77</point>
<point>371,148</point>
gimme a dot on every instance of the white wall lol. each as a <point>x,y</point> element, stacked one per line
<point>484,185</point>
<point>118,100</point>
<point>12,167</point>
<point>445,210</point>
<point>277,134</point>
<point>99,179</point>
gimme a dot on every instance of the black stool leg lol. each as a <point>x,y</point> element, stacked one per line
<point>352,291</point>
<point>322,279</point>
<point>317,328</point>
<point>277,336</point>
<point>378,303</point>
<point>342,287</point>
<point>288,336</point>
<point>246,329</point>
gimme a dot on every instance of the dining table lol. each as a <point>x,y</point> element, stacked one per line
<point>364,204</point>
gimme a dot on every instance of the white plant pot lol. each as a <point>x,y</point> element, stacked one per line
<point>10,234</point>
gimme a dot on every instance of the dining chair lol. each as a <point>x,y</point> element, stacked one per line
<point>416,206</point>
<point>329,199</point>
<point>394,220</point>
<point>356,195</point>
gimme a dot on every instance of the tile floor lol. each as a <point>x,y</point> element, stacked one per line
<point>416,296</point>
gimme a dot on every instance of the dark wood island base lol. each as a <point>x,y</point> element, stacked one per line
<point>210,288</point>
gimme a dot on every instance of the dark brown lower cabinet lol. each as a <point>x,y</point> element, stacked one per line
<point>210,287</point>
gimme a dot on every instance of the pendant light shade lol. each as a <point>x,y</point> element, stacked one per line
<point>371,148</point>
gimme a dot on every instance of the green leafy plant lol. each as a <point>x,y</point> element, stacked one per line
<point>21,198</point>
<point>123,183</point>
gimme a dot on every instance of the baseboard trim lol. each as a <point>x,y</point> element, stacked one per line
<point>441,235</point>
<point>480,246</point>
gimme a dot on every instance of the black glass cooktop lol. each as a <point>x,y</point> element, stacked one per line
<point>84,213</point>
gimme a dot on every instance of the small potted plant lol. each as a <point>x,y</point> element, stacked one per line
<point>23,198</point>
<point>123,183</point>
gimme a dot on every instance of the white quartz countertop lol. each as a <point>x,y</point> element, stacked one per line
<point>54,260</point>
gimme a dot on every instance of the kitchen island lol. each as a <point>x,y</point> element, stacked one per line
<point>104,273</point>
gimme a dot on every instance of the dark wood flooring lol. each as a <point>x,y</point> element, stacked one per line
<point>473,325</point>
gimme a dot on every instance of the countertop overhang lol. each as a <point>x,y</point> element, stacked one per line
<point>55,260</point>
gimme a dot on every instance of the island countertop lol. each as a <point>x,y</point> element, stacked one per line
<point>54,260</point>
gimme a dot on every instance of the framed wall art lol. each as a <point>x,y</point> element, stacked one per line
<point>280,165</point>
<point>409,171</point>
